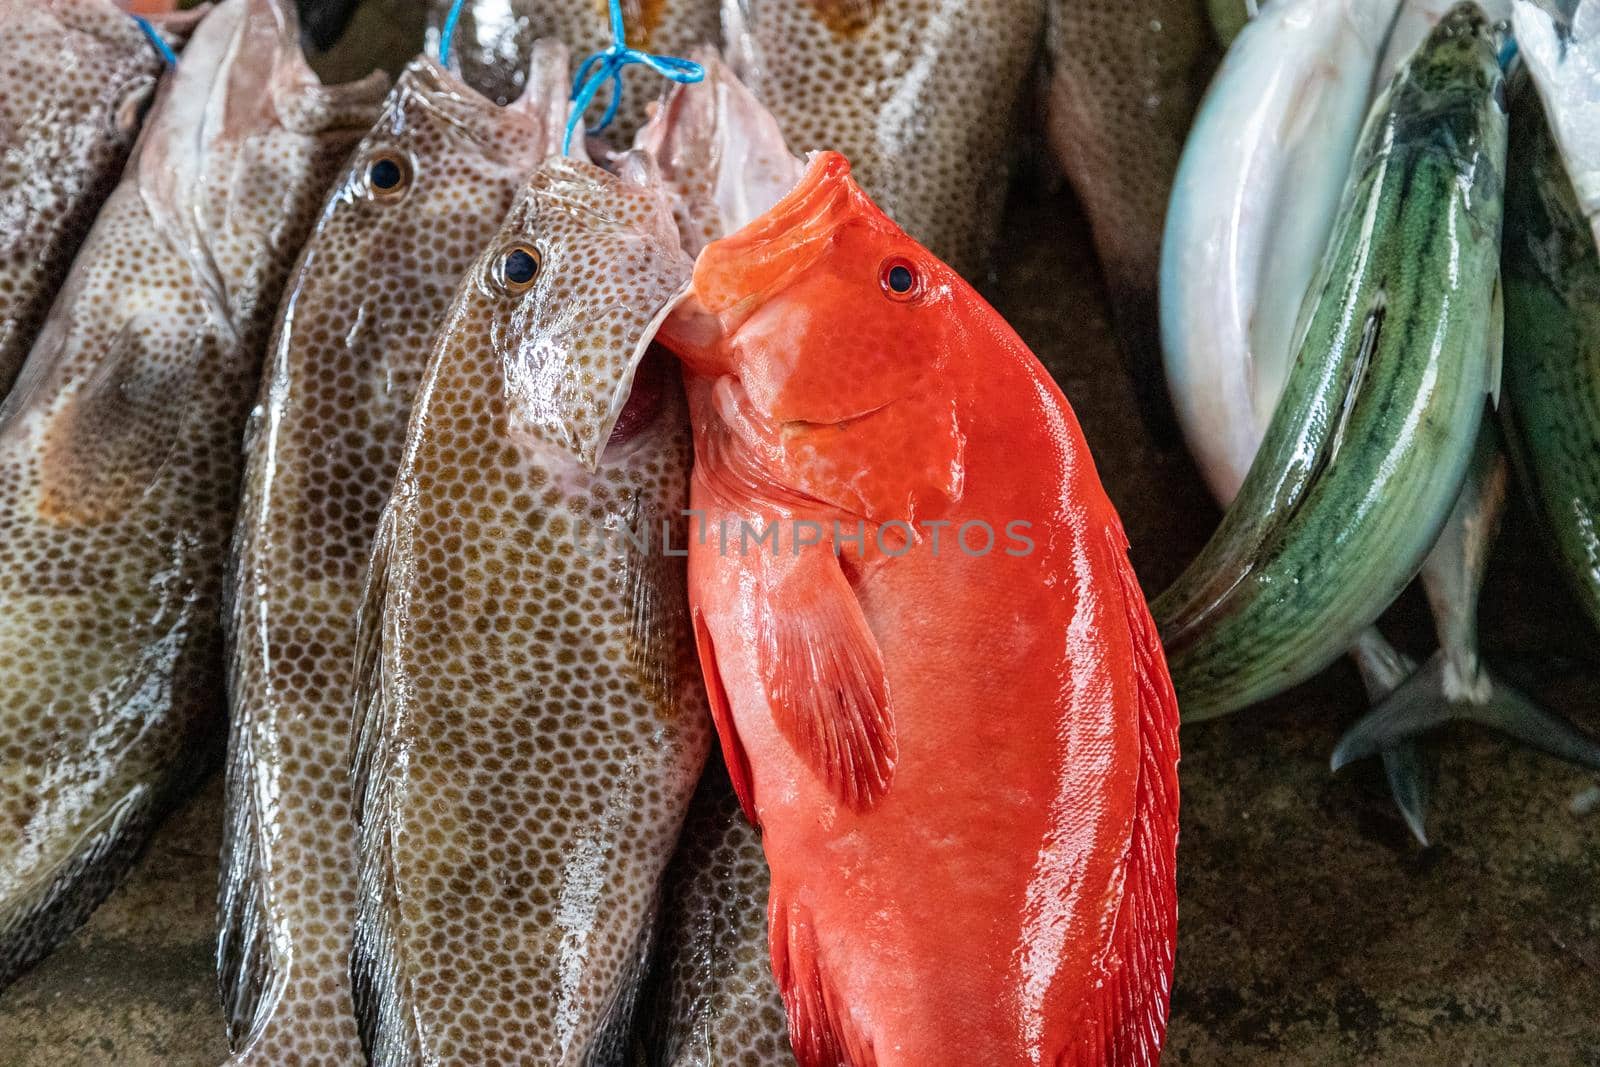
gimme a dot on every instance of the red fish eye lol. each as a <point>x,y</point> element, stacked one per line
<point>900,278</point>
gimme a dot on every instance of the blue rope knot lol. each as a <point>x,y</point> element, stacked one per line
<point>608,65</point>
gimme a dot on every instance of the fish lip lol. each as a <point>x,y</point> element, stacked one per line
<point>779,245</point>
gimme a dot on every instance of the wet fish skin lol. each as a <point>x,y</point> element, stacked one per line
<point>76,79</point>
<point>356,327</point>
<point>715,999</point>
<point>921,97</point>
<point>913,877</point>
<point>119,464</point>
<point>724,162</point>
<point>722,155</point>
<point>493,39</point>
<point>1125,79</point>
<point>1253,203</point>
<point>1365,454</point>
<point>1551,406</point>
<point>532,725</point>
<point>1562,62</point>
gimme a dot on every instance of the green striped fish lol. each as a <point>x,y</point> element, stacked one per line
<point>1369,446</point>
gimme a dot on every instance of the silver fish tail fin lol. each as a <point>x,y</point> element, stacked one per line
<point>1438,694</point>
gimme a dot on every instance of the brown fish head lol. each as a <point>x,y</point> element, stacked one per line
<point>240,111</point>
<point>721,153</point>
<point>568,299</point>
<point>418,195</point>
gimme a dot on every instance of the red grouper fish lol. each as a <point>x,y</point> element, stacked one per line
<point>938,688</point>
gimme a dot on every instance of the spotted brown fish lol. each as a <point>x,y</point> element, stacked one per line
<point>75,79</point>
<point>921,96</point>
<point>422,193</point>
<point>119,463</point>
<point>532,723</point>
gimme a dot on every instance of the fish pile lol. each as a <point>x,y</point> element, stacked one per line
<point>605,559</point>
<point>653,609</point>
<point>1349,261</point>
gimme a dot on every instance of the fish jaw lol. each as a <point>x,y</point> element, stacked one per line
<point>721,154</point>
<point>580,225</point>
<point>826,245</point>
<point>243,92</point>
<point>1252,206</point>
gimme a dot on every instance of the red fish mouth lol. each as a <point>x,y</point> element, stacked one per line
<point>734,273</point>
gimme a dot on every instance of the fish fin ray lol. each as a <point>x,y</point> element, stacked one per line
<point>1137,996</point>
<point>378,984</point>
<point>825,679</point>
<point>818,1032</point>
<point>733,753</point>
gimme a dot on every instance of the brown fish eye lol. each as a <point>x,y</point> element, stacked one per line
<point>518,268</point>
<point>900,278</point>
<point>388,175</point>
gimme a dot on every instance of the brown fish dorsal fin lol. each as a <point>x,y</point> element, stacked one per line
<point>824,676</point>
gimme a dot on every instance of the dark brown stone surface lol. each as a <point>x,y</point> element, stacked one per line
<point>1313,930</point>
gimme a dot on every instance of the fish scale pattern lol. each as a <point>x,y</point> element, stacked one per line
<point>533,724</point>
<point>77,77</point>
<point>119,469</point>
<point>374,280</point>
<point>715,1002</point>
<point>921,96</point>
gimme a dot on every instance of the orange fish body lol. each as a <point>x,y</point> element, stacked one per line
<point>959,740</point>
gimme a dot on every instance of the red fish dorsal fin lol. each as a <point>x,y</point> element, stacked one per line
<point>824,676</point>
<point>1131,1020</point>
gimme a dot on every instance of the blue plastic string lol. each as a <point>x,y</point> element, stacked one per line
<point>168,56</point>
<point>447,32</point>
<point>1508,54</point>
<point>607,66</point>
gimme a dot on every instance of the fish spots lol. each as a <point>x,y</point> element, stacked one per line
<point>918,94</point>
<point>119,485</point>
<point>847,18</point>
<point>65,142</point>
<point>526,647</point>
<point>347,365</point>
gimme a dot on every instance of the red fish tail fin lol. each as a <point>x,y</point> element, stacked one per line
<point>821,1036</point>
<point>1147,927</point>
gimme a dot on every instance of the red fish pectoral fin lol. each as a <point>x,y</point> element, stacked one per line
<point>824,676</point>
<point>733,753</point>
<point>1147,927</point>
